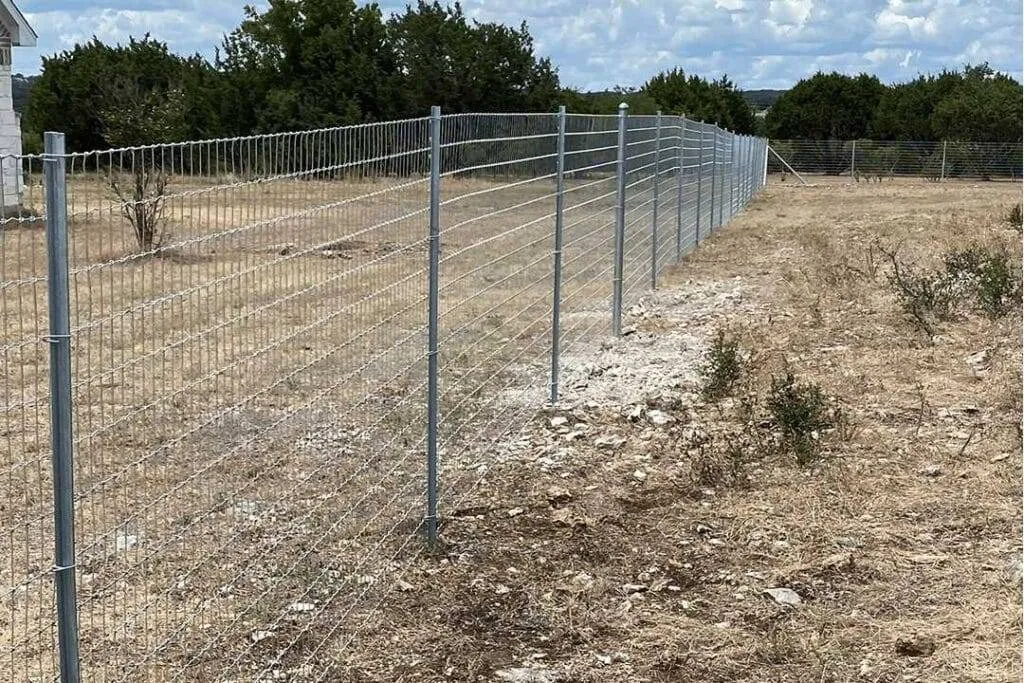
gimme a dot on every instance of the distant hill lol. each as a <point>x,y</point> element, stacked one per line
<point>20,87</point>
<point>762,99</point>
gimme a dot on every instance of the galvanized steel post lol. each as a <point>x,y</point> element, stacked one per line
<point>557,296</point>
<point>700,178</point>
<point>620,224</point>
<point>679,189</point>
<point>432,320</point>
<point>61,428</point>
<point>654,211</point>
<point>942,173</point>
<point>732,175</point>
<point>714,173</point>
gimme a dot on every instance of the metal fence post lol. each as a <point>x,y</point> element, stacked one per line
<point>764,175</point>
<point>432,321</point>
<point>654,210</point>
<point>679,190</point>
<point>714,173</point>
<point>732,176</point>
<point>853,161</point>
<point>700,183</point>
<point>557,296</point>
<point>942,172</point>
<point>753,161</point>
<point>620,224</point>
<point>61,434</point>
<point>746,169</point>
<point>744,150</point>
<point>721,186</point>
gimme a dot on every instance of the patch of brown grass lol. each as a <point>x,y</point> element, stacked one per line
<point>904,544</point>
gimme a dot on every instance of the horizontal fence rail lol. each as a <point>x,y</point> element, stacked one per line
<point>290,356</point>
<point>867,160</point>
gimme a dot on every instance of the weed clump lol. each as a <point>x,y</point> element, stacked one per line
<point>1014,217</point>
<point>983,277</point>
<point>801,411</point>
<point>722,367</point>
<point>988,276</point>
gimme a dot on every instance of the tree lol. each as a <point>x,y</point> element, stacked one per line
<point>716,102</point>
<point>462,66</point>
<point>984,106</point>
<point>132,115</point>
<point>77,85</point>
<point>304,64</point>
<point>905,110</point>
<point>826,106</point>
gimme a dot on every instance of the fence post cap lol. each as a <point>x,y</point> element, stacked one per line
<point>623,106</point>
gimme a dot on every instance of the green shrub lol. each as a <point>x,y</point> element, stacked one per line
<point>1014,217</point>
<point>986,275</point>
<point>722,367</point>
<point>801,412</point>
<point>923,295</point>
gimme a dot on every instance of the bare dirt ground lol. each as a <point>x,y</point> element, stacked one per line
<point>610,541</point>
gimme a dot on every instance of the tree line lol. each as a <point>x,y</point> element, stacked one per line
<point>304,64</point>
<point>307,64</point>
<point>976,104</point>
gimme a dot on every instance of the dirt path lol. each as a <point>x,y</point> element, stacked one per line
<point>631,534</point>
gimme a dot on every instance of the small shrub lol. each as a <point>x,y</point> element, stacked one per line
<point>923,295</point>
<point>986,275</point>
<point>1014,218</point>
<point>802,412</point>
<point>717,462</point>
<point>722,367</point>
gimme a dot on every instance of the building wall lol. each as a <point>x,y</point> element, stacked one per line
<point>10,133</point>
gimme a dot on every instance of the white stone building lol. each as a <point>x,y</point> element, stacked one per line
<point>14,32</point>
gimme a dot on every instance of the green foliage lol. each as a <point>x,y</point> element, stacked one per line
<point>1014,218</point>
<point>826,107</point>
<point>307,64</point>
<point>608,101</point>
<point>463,66</point>
<point>987,275</point>
<point>83,91</point>
<point>976,104</point>
<point>923,295</point>
<point>718,101</point>
<point>722,368</point>
<point>802,412</point>
<point>987,278</point>
<point>302,64</point>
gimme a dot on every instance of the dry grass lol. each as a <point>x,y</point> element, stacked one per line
<point>249,401</point>
<point>249,429</point>
<point>904,543</point>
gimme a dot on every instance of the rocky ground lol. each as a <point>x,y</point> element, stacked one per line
<point>640,532</point>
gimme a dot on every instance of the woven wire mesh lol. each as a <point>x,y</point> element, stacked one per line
<point>248,325</point>
<point>875,160</point>
<point>27,630</point>
<point>249,366</point>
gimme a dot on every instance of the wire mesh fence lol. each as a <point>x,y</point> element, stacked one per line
<point>290,354</point>
<point>873,160</point>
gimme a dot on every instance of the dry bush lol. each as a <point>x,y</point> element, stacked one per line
<point>722,368</point>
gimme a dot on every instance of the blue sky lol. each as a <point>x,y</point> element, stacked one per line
<point>600,43</point>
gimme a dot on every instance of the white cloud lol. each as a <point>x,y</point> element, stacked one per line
<point>602,43</point>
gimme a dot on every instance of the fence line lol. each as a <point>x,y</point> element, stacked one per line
<point>275,362</point>
<point>874,160</point>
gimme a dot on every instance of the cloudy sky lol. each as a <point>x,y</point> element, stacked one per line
<point>601,43</point>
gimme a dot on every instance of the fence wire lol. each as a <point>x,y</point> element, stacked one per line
<point>873,160</point>
<point>249,375</point>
